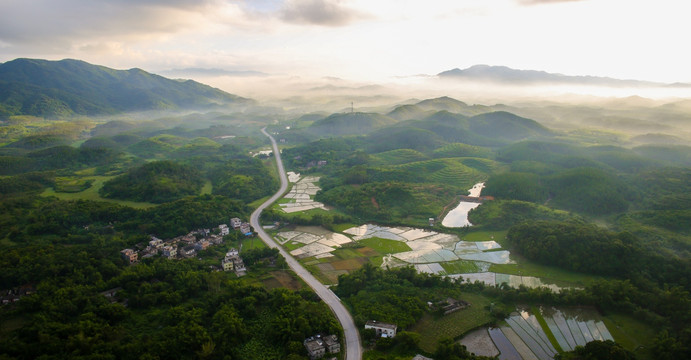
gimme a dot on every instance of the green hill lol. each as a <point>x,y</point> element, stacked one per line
<point>349,124</point>
<point>398,156</point>
<point>505,125</point>
<point>446,103</point>
<point>409,112</point>
<point>67,87</point>
<point>157,182</point>
<point>402,137</point>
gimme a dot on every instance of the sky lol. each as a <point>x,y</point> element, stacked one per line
<point>362,40</point>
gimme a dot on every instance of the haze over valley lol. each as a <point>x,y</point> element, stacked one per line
<point>347,179</point>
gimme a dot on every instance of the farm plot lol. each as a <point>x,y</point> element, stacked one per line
<point>526,326</point>
<point>301,194</point>
<point>575,327</point>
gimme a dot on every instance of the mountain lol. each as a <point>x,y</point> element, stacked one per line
<point>503,74</point>
<point>452,105</point>
<point>69,87</point>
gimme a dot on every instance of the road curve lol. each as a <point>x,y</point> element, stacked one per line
<point>353,349</point>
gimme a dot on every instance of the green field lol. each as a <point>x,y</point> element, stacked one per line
<point>385,246</point>
<point>630,333</point>
<point>92,194</point>
<point>551,274</point>
<point>454,325</point>
<point>459,266</point>
<point>498,236</point>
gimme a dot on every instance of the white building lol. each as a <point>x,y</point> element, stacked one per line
<point>382,329</point>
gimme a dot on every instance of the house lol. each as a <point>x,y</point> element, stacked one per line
<point>245,229</point>
<point>227,264</point>
<point>201,245</point>
<point>238,264</point>
<point>232,252</point>
<point>155,243</point>
<point>321,162</point>
<point>215,239</point>
<point>223,228</point>
<point>170,251</point>
<point>129,255</point>
<point>315,347</point>
<point>235,223</point>
<point>431,221</point>
<point>382,329</point>
<point>188,251</point>
<point>331,343</point>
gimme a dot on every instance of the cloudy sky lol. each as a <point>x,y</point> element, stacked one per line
<point>364,40</point>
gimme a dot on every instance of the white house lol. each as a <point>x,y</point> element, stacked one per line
<point>382,329</point>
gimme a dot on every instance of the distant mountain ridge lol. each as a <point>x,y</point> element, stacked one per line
<point>68,87</point>
<point>504,74</point>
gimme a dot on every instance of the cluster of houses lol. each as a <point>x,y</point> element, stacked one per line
<point>317,346</point>
<point>187,246</point>
<point>13,295</point>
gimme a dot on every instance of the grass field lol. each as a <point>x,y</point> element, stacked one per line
<point>459,266</point>
<point>555,275</point>
<point>92,194</point>
<point>206,189</point>
<point>630,333</point>
<point>498,236</point>
<point>385,246</point>
<point>454,325</point>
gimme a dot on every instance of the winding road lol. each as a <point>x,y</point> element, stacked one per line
<point>353,349</point>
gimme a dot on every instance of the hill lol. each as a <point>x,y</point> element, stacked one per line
<point>67,87</point>
<point>357,123</point>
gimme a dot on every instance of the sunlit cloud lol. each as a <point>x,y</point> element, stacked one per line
<point>320,12</point>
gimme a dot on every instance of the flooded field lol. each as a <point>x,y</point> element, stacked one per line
<point>524,338</point>
<point>458,217</point>
<point>301,194</point>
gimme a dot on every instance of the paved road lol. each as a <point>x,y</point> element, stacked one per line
<point>352,338</point>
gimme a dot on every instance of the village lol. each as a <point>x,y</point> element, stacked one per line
<point>187,246</point>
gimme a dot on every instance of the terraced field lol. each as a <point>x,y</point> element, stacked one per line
<point>398,156</point>
<point>443,171</point>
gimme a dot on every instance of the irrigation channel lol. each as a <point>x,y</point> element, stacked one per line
<point>353,348</point>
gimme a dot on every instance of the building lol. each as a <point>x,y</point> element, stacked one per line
<point>188,251</point>
<point>245,229</point>
<point>129,255</point>
<point>232,252</point>
<point>332,344</point>
<point>223,228</point>
<point>201,245</point>
<point>315,347</point>
<point>227,264</point>
<point>216,239</point>
<point>238,264</point>
<point>382,329</point>
<point>170,251</point>
<point>235,223</point>
<point>155,243</point>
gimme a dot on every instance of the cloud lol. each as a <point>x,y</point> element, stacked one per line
<point>539,2</point>
<point>60,24</point>
<point>319,12</point>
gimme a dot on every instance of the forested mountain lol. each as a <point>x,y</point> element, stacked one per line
<point>67,87</point>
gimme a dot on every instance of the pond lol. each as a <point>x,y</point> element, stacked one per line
<point>458,217</point>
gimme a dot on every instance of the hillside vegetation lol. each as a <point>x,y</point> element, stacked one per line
<point>63,88</point>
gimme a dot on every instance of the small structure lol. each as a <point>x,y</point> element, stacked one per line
<point>382,329</point>
<point>315,347</point>
<point>223,228</point>
<point>431,221</point>
<point>216,239</point>
<point>232,252</point>
<point>227,264</point>
<point>201,245</point>
<point>129,255</point>
<point>188,251</point>
<point>170,251</point>
<point>331,343</point>
<point>155,242</point>
<point>235,223</point>
<point>245,229</point>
